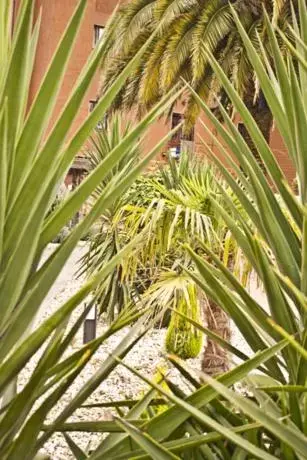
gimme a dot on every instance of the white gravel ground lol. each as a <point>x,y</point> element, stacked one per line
<point>145,356</point>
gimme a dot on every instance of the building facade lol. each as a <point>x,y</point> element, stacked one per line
<point>55,16</point>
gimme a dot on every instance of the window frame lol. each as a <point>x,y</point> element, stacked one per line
<point>179,136</point>
<point>98,33</point>
<point>91,106</point>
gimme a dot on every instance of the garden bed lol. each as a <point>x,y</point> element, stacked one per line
<point>145,357</point>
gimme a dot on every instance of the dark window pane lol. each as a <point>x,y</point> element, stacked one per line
<point>102,124</point>
<point>176,120</point>
<point>98,32</point>
<point>91,105</point>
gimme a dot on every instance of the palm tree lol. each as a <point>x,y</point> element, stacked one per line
<point>175,206</point>
<point>186,29</point>
<point>186,213</point>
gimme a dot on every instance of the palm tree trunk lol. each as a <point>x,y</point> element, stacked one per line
<point>262,116</point>
<point>215,358</point>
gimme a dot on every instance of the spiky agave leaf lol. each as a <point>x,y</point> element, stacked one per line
<point>26,229</point>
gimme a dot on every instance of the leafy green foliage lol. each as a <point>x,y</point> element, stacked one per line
<point>183,338</point>
<point>274,243</point>
<point>209,420</point>
<point>32,165</point>
<point>266,419</point>
<point>173,205</point>
<point>185,29</point>
<point>106,238</point>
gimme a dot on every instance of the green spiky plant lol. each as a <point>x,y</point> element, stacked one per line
<point>32,165</point>
<point>268,421</point>
<point>107,238</point>
<point>212,421</point>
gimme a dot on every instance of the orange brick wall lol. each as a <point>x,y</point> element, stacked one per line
<point>55,16</point>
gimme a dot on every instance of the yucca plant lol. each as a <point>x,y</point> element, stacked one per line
<point>275,243</point>
<point>267,421</point>
<point>32,165</point>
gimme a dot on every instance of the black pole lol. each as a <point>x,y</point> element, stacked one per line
<point>89,328</point>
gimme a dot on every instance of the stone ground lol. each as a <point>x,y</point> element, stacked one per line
<point>145,357</point>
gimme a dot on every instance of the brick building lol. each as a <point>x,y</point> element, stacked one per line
<point>55,15</point>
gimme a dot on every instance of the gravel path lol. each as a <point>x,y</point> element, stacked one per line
<point>145,356</point>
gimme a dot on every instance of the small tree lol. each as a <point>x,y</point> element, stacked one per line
<point>175,206</point>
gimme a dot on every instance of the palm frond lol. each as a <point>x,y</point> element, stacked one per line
<point>212,27</point>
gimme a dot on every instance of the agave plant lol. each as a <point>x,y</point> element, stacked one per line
<point>268,420</point>
<point>32,164</point>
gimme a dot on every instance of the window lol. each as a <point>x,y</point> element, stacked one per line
<point>92,104</point>
<point>98,33</point>
<point>179,136</point>
<point>176,120</point>
<point>175,142</point>
<point>102,124</point>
